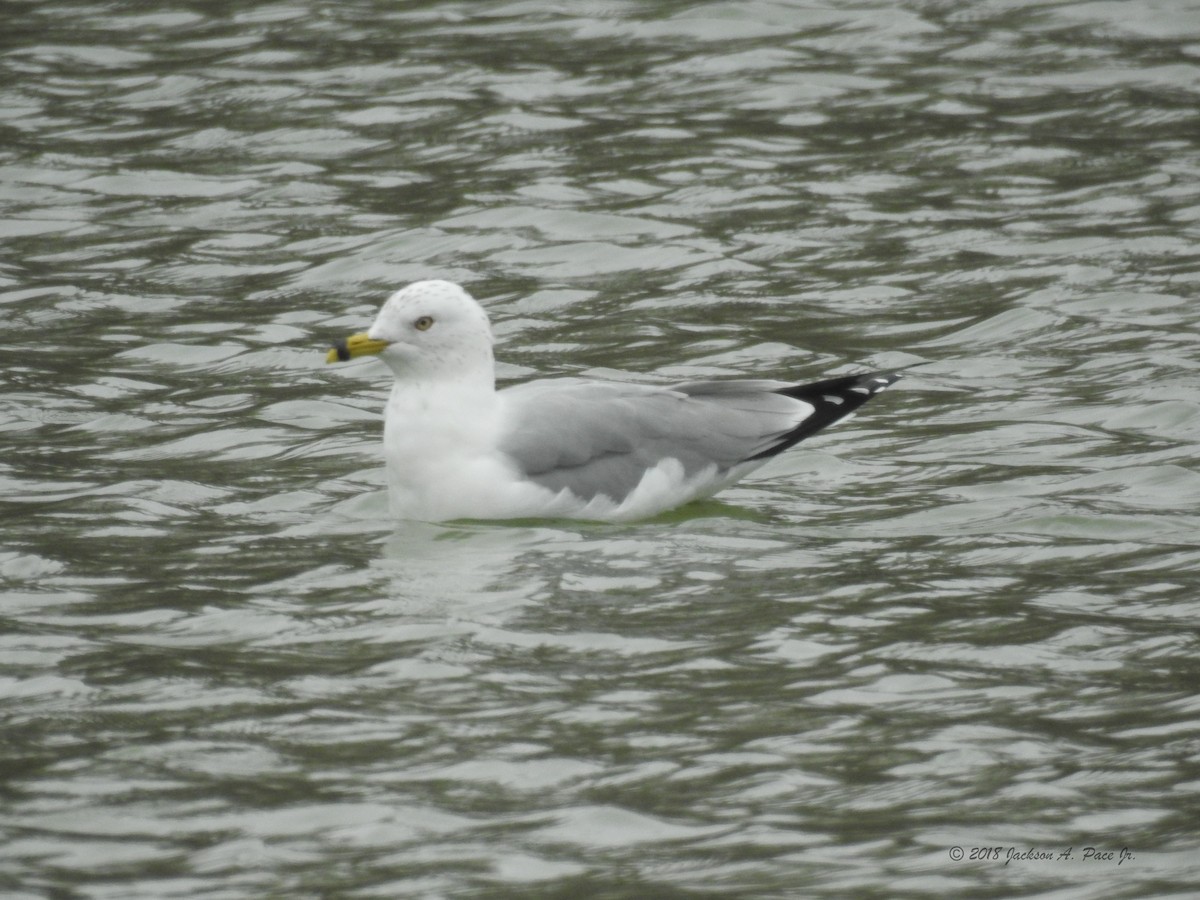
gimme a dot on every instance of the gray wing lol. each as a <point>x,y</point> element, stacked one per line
<point>599,438</point>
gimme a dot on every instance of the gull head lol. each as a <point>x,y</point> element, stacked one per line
<point>429,329</point>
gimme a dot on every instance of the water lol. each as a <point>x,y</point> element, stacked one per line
<point>966,619</point>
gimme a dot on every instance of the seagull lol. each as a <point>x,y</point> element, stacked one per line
<point>457,448</point>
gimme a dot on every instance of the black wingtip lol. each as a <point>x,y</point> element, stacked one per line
<point>832,400</point>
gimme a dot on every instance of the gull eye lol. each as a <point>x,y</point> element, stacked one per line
<point>424,323</point>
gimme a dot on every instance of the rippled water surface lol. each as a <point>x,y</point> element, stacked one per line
<point>966,619</point>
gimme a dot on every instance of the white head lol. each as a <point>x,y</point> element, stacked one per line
<point>428,330</point>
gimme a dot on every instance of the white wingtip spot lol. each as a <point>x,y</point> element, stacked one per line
<point>834,399</point>
<point>861,390</point>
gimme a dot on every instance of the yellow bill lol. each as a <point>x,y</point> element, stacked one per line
<point>355,345</point>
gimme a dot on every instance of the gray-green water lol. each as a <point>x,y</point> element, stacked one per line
<point>966,619</point>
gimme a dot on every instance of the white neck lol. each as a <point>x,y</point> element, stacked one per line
<point>437,432</point>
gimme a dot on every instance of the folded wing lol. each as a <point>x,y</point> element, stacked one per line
<point>597,438</point>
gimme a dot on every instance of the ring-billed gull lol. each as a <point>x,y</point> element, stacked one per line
<point>456,448</point>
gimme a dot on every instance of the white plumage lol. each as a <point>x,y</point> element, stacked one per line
<point>456,447</point>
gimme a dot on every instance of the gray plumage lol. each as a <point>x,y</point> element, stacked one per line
<point>457,448</point>
<point>601,438</point>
